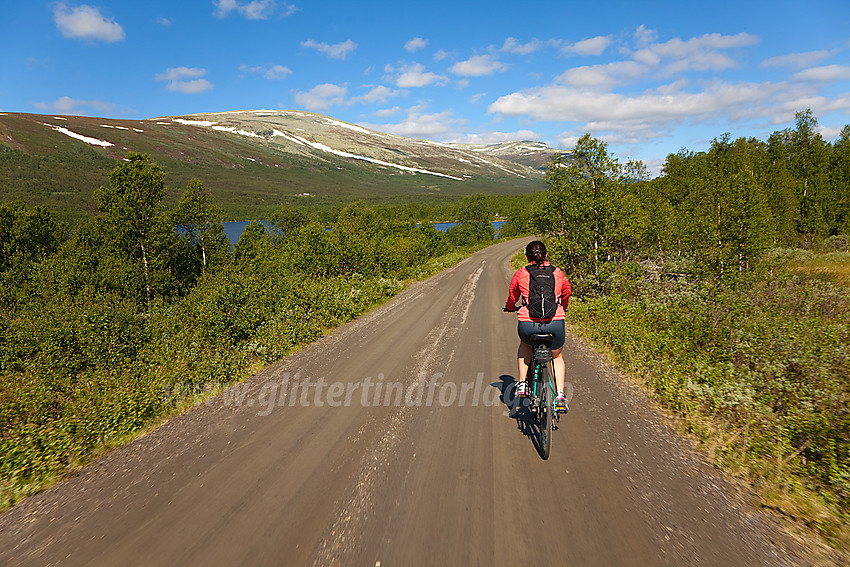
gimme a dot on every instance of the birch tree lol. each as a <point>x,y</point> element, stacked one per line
<point>132,211</point>
<point>199,215</point>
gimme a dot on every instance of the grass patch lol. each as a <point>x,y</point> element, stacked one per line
<point>833,267</point>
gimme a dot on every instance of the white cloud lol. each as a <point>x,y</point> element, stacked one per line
<point>497,137</point>
<point>603,76</point>
<point>800,95</point>
<point>512,45</point>
<point>420,125</point>
<point>272,72</point>
<point>701,53</point>
<point>640,116</point>
<point>289,9</point>
<point>678,49</point>
<point>68,105</point>
<point>654,60</point>
<point>336,51</point>
<point>322,97</point>
<point>592,46</point>
<point>644,36</point>
<point>190,87</point>
<point>568,139</point>
<point>654,114</point>
<point>830,133</point>
<point>276,72</point>
<point>440,55</point>
<point>478,66</point>
<point>415,44</point>
<point>414,76</point>
<point>614,102</point>
<point>86,22</point>
<point>164,22</point>
<point>379,94</point>
<point>647,57</point>
<point>256,10</point>
<point>628,133</point>
<point>824,74</point>
<point>185,80</point>
<point>181,73</point>
<point>797,60</point>
<point>384,112</point>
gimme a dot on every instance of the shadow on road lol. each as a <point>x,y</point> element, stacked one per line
<point>518,409</point>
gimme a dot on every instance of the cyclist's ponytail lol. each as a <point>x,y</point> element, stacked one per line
<point>536,252</point>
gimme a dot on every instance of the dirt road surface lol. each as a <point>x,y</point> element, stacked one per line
<point>391,442</point>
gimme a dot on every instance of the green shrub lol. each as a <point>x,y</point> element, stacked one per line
<point>86,360</point>
<point>765,361</point>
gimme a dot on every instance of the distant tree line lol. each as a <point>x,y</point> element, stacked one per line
<point>724,206</point>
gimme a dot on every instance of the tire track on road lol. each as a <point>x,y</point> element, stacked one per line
<point>341,541</point>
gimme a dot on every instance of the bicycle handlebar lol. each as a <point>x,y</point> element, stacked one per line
<point>506,310</point>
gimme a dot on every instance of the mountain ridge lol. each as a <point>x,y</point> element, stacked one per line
<point>255,160</point>
<point>503,151</point>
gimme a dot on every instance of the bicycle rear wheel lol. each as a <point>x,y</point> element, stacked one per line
<point>545,412</point>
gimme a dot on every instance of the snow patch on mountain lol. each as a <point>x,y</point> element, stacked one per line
<point>333,122</point>
<point>328,149</point>
<point>497,166</point>
<point>86,139</point>
<point>194,122</point>
<point>236,131</point>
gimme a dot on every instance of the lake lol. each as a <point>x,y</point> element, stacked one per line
<point>234,229</point>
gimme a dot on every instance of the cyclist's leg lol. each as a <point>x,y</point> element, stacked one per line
<point>524,330</point>
<point>557,328</point>
<point>560,369</point>
<point>523,360</point>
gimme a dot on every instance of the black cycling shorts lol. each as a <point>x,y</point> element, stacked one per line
<point>527,328</point>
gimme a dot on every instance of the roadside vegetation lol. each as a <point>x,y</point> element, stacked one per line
<point>109,326</point>
<point>723,286</point>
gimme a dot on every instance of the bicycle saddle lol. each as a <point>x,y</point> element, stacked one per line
<point>542,337</point>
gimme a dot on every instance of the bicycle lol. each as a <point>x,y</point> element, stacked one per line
<point>542,399</point>
<point>540,377</point>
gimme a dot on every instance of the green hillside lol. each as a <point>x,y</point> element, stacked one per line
<point>250,175</point>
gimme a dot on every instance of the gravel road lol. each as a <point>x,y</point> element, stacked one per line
<point>393,441</point>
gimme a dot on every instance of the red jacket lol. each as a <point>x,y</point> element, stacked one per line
<point>519,288</point>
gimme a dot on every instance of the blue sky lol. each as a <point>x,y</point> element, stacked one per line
<point>647,76</point>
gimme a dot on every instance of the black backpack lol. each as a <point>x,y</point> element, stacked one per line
<point>541,292</point>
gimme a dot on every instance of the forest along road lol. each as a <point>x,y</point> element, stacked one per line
<point>389,442</point>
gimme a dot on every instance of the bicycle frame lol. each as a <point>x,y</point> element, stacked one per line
<point>541,356</point>
<point>541,379</point>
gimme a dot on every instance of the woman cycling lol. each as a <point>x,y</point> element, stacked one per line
<point>527,325</point>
